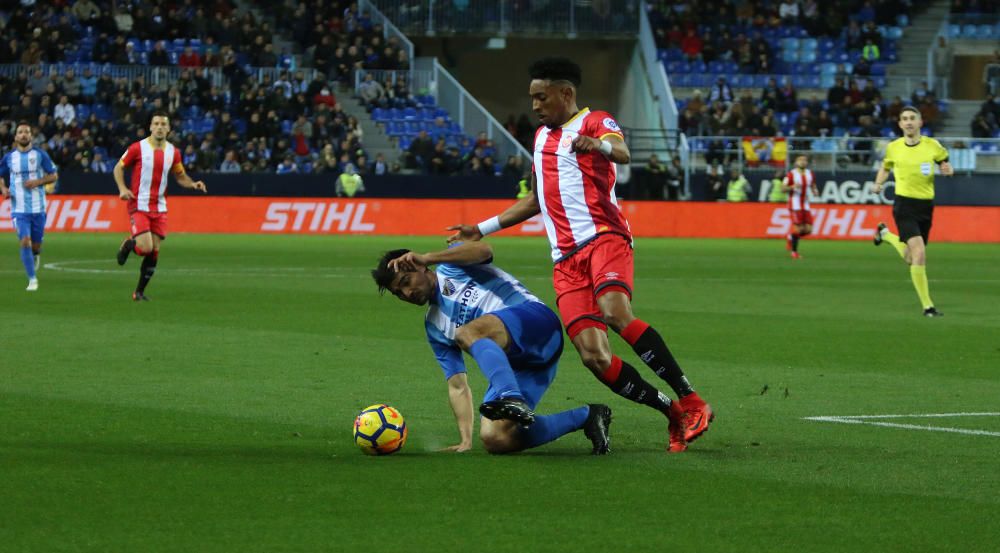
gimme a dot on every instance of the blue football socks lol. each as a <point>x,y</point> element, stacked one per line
<point>28,258</point>
<point>496,367</point>
<point>547,428</point>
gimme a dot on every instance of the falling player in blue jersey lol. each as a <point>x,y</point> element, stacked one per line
<point>515,339</point>
<point>24,172</point>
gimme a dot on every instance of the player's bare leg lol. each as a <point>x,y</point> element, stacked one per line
<point>693,415</point>
<point>595,352</point>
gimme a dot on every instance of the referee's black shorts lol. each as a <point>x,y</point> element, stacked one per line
<point>913,217</point>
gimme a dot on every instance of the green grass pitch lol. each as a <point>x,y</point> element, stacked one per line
<point>217,417</point>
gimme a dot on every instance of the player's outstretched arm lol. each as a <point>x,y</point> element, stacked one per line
<point>187,182</point>
<point>119,174</point>
<point>522,210</point>
<point>466,253</point>
<point>460,397</point>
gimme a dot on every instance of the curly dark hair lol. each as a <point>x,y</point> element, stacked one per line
<point>382,274</point>
<point>557,69</point>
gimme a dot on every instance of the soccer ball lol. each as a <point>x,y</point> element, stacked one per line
<point>379,430</point>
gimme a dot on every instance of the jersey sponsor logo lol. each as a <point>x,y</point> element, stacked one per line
<point>466,303</point>
<point>449,287</point>
<point>832,222</point>
<point>610,124</point>
<point>316,217</point>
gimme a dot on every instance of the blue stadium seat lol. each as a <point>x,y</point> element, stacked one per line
<point>969,31</point>
<point>731,67</point>
<point>409,114</point>
<point>716,67</point>
<point>394,128</point>
<point>82,112</point>
<point>286,126</point>
<point>903,20</point>
<point>404,142</point>
<point>984,32</point>
<point>807,57</point>
<point>790,43</point>
<point>878,69</point>
<point>790,56</point>
<point>954,31</point>
<point>809,44</point>
<point>380,115</point>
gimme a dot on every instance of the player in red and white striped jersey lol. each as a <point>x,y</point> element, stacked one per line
<point>152,160</point>
<point>798,182</point>
<point>573,187</point>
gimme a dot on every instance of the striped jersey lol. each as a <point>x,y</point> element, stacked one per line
<point>576,191</point>
<point>801,183</point>
<point>465,293</point>
<point>151,168</point>
<point>18,167</point>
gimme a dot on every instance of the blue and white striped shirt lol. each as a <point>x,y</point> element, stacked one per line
<point>18,167</point>
<point>464,294</point>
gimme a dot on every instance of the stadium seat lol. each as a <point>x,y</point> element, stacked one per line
<point>380,115</point>
<point>809,45</point>
<point>954,31</point>
<point>969,31</point>
<point>984,32</point>
<point>790,43</point>
<point>807,57</point>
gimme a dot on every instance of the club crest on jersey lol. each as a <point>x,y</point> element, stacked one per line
<point>449,287</point>
<point>610,124</point>
<point>565,142</point>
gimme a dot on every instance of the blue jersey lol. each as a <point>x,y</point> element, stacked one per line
<point>465,293</point>
<point>18,167</point>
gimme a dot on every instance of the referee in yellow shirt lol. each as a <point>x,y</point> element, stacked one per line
<point>911,159</point>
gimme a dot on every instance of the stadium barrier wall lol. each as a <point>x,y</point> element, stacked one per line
<point>84,213</point>
<point>842,188</point>
<point>855,187</point>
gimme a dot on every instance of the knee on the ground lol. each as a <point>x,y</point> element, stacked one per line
<point>499,438</point>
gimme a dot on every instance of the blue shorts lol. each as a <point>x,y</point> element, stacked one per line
<point>29,224</point>
<point>536,342</point>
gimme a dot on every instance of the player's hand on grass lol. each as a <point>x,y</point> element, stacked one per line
<point>409,261</point>
<point>464,233</point>
<point>458,448</point>
<point>584,144</point>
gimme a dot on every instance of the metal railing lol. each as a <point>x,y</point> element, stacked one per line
<point>849,153</point>
<point>152,75</point>
<point>662,93</point>
<point>468,112</point>
<point>389,30</point>
<point>419,82</point>
<point>502,17</point>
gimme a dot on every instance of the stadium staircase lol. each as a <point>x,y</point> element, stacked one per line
<point>919,37</point>
<point>375,140</point>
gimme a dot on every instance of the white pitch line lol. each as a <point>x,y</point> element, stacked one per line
<point>866,419</point>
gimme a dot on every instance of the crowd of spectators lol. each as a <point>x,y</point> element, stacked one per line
<point>986,122</point>
<point>728,30</point>
<point>289,125</point>
<point>86,117</point>
<point>338,39</point>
